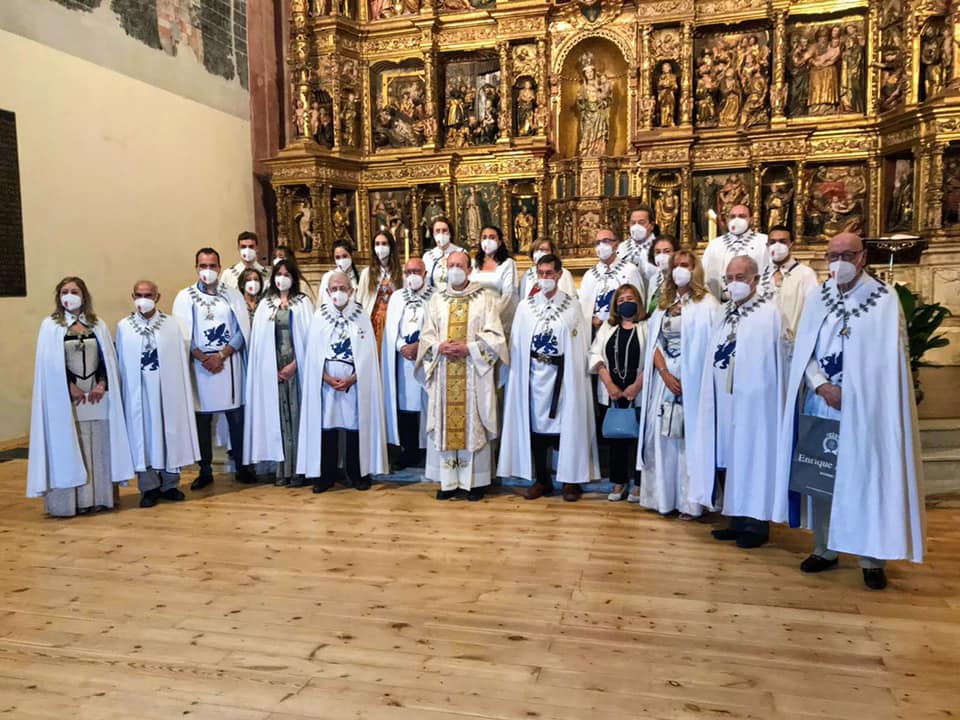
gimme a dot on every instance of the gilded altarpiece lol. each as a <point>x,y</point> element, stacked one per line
<point>552,118</point>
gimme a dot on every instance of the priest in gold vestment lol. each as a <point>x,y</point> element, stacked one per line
<point>461,342</point>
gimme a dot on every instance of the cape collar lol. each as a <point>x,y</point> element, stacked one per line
<point>449,294</point>
<point>329,312</point>
<point>733,313</point>
<point>737,243</point>
<point>69,319</point>
<point>859,301</point>
<point>419,297</point>
<point>601,268</point>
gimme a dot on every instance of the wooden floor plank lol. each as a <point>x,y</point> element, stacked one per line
<point>264,603</point>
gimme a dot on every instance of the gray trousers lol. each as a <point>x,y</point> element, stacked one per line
<point>151,479</point>
<point>821,531</point>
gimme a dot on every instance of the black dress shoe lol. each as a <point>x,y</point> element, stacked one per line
<point>201,482</point>
<point>815,564</point>
<point>298,481</point>
<point>446,494</point>
<point>725,534</point>
<point>748,541</point>
<point>875,578</point>
<point>150,498</point>
<point>363,483</point>
<point>247,477</point>
<point>173,495</point>
<point>322,486</point>
<point>476,494</point>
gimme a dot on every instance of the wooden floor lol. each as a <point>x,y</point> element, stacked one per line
<point>260,602</point>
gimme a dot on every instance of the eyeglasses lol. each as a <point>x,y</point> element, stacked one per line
<point>848,256</point>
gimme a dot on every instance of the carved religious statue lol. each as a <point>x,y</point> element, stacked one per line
<point>431,211</point>
<point>931,56</point>
<point>666,209</point>
<point>473,217</point>
<point>380,9</point>
<point>824,72</point>
<point>525,109</point>
<point>900,216</point>
<point>667,87</point>
<point>523,227</point>
<point>733,192</point>
<point>593,108</point>
<point>349,117</point>
<point>340,219</point>
<point>304,220</point>
<point>777,204</point>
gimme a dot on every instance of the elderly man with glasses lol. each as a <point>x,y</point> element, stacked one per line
<point>850,366</point>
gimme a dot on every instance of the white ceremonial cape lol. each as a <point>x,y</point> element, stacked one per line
<point>798,281</point>
<point>578,440</point>
<point>176,397</point>
<point>183,311</point>
<point>601,277</point>
<point>373,442</point>
<point>388,354</point>
<point>487,346</point>
<point>55,461</point>
<point>262,437</point>
<point>878,504</point>
<point>231,275</point>
<point>722,249</point>
<point>758,384</point>
<point>529,278</point>
<point>698,323</point>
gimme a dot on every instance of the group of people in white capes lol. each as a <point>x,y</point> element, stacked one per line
<point>698,373</point>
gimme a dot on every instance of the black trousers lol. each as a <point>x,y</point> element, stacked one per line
<point>541,447</point>
<point>205,438</point>
<point>408,427</point>
<point>739,523</point>
<point>329,455</point>
<point>623,458</point>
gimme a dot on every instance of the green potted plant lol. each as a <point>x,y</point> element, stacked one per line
<point>923,320</point>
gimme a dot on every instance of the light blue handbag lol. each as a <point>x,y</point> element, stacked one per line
<point>621,423</point>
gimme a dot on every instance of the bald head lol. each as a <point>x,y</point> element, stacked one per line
<point>415,266</point>
<point>740,211</point>
<point>460,259</point>
<point>845,242</point>
<point>742,267</point>
<point>146,288</point>
<point>846,249</point>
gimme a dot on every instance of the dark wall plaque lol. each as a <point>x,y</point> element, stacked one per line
<point>13,280</point>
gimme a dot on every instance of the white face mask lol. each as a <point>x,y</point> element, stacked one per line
<point>488,246</point>
<point>843,272</point>
<point>144,305</point>
<point>208,276</point>
<point>738,226</point>
<point>456,276</point>
<point>283,282</point>
<point>252,287</point>
<point>414,282</point>
<point>343,264</point>
<point>339,298</point>
<point>382,251</point>
<point>604,251</point>
<point>662,261</point>
<point>779,252</point>
<point>537,254</point>
<point>682,276</point>
<point>276,260</point>
<point>442,239</point>
<point>71,301</point>
<point>547,285</point>
<point>248,254</point>
<point>638,232</point>
<point>739,291</point>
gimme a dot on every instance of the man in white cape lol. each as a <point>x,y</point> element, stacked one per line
<point>342,393</point>
<point>739,240</point>
<point>741,397</point>
<point>157,397</point>
<point>56,461</point>
<point>636,248</point>
<point>403,395</point>
<point>785,278</point>
<point>549,405</point>
<point>600,282</point>
<point>850,364</point>
<point>215,322</point>
<point>247,245</point>
<point>461,342</point>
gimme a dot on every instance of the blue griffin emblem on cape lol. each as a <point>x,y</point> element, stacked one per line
<point>544,343</point>
<point>149,360</point>
<point>833,367</point>
<point>342,350</point>
<point>412,337</point>
<point>218,336</point>
<point>604,300</point>
<point>724,353</point>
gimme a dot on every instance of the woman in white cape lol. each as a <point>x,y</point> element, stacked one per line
<point>679,332</point>
<point>78,438</point>
<point>379,280</point>
<point>278,345</point>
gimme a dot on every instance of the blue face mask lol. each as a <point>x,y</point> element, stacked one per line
<point>628,310</point>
